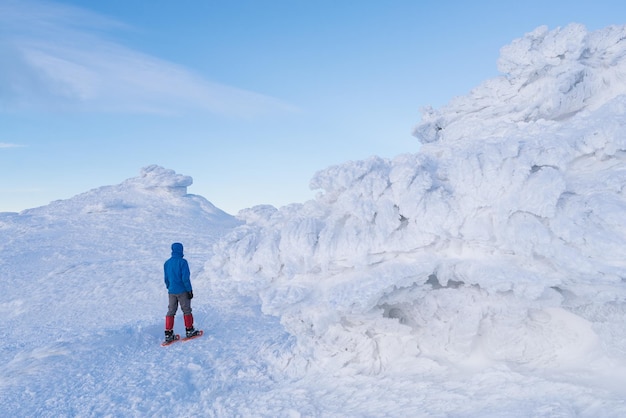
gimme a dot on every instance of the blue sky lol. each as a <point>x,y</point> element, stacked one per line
<point>250,98</point>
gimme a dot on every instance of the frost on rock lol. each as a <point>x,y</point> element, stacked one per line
<point>548,76</point>
<point>428,252</point>
<point>156,177</point>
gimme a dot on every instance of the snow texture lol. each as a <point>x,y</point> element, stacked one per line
<point>483,276</point>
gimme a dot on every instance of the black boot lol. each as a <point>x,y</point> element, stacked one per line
<point>191,332</point>
<point>169,335</point>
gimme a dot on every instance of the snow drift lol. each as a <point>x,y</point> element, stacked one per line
<point>501,241</point>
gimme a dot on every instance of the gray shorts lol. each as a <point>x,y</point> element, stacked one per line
<point>174,300</point>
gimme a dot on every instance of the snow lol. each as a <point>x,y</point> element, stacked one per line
<point>483,276</point>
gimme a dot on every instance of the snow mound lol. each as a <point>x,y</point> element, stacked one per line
<point>439,255</point>
<point>122,232</point>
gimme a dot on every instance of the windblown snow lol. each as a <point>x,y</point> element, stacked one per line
<point>483,276</point>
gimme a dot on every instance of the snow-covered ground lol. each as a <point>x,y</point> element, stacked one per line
<point>484,276</point>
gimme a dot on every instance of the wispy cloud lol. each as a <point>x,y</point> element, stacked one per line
<point>7,145</point>
<point>56,56</point>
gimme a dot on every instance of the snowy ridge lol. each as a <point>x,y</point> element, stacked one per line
<point>496,248</point>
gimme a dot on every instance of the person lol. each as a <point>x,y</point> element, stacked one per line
<point>178,284</point>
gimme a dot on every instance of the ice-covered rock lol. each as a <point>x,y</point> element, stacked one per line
<point>515,204</point>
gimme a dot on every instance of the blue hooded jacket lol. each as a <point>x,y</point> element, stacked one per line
<point>176,271</point>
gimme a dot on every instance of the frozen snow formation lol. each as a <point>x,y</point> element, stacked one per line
<point>155,184</point>
<point>155,176</point>
<point>549,76</point>
<point>501,240</point>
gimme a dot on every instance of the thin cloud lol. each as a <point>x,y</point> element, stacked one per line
<point>7,145</point>
<point>58,57</point>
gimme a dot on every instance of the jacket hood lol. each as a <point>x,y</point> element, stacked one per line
<point>177,249</point>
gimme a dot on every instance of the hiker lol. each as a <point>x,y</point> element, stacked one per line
<point>179,290</point>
